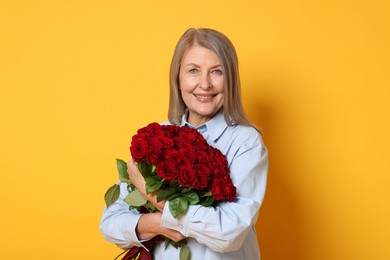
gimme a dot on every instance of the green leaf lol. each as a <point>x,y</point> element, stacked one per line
<point>178,244</point>
<point>186,189</point>
<point>185,252</point>
<point>192,197</point>
<point>208,202</point>
<point>172,196</point>
<point>178,206</point>
<point>111,195</point>
<point>163,194</point>
<point>174,184</point>
<point>122,171</point>
<point>206,194</point>
<point>153,187</point>
<point>144,168</point>
<point>137,208</point>
<point>135,199</point>
<point>150,180</point>
<point>150,207</point>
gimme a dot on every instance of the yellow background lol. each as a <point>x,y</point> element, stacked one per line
<point>78,78</point>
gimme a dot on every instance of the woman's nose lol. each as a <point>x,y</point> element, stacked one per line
<point>205,82</point>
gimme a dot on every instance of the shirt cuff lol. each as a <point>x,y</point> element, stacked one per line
<point>129,226</point>
<point>180,223</point>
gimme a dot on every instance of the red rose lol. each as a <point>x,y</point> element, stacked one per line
<point>169,154</point>
<point>201,144</point>
<point>202,173</point>
<point>154,157</point>
<point>182,154</point>
<point>185,175</point>
<point>202,157</point>
<point>170,131</point>
<point>145,131</point>
<point>220,171</point>
<point>230,192</point>
<point>188,152</point>
<point>180,159</point>
<point>217,188</point>
<point>201,182</point>
<point>223,188</point>
<point>189,136</point>
<point>202,168</point>
<point>154,151</point>
<point>167,143</point>
<point>138,149</point>
<point>151,130</point>
<point>221,159</point>
<point>156,129</point>
<point>167,170</point>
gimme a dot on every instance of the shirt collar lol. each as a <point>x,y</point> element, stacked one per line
<point>214,127</point>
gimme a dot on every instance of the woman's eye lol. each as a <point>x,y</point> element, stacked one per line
<point>193,70</point>
<point>217,72</point>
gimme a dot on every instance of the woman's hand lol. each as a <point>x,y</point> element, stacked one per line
<point>149,226</point>
<point>136,177</point>
<point>139,182</point>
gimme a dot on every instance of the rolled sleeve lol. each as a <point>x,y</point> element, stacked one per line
<point>180,223</point>
<point>118,223</point>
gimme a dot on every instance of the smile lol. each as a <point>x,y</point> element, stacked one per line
<point>204,97</point>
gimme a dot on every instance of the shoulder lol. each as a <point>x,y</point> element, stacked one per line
<point>247,138</point>
<point>244,133</point>
<point>240,140</point>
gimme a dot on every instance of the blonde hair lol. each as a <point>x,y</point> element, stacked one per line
<point>222,46</point>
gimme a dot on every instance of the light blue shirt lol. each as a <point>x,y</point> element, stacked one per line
<point>224,232</point>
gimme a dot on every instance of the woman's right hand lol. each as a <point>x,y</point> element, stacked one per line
<point>138,180</point>
<point>149,226</point>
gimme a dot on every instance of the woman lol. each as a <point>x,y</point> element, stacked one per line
<point>204,94</point>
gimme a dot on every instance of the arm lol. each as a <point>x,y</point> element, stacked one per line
<point>118,223</point>
<point>127,228</point>
<point>138,180</point>
<point>225,227</point>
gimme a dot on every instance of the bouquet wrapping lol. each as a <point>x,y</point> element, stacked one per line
<point>178,166</point>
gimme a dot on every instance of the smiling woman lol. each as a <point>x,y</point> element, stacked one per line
<point>218,47</point>
<point>201,84</point>
<point>204,95</point>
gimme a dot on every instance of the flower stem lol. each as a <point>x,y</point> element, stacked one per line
<point>121,253</point>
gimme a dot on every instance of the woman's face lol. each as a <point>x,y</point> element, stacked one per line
<point>201,84</point>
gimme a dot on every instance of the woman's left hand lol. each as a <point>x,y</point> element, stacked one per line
<point>136,177</point>
<point>139,182</point>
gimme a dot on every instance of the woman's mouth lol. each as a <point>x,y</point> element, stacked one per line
<point>204,98</point>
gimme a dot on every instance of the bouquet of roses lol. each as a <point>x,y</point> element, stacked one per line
<point>180,167</point>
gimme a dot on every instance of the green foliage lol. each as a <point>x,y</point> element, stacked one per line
<point>135,199</point>
<point>153,183</point>
<point>192,197</point>
<point>122,171</point>
<point>150,207</point>
<point>179,197</point>
<point>178,206</point>
<point>111,195</point>
<point>173,196</point>
<point>185,253</point>
<point>177,244</point>
<point>145,169</point>
<point>163,194</point>
<point>208,201</point>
